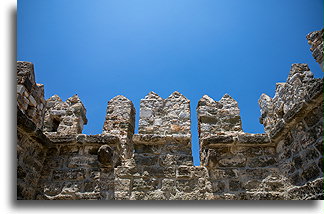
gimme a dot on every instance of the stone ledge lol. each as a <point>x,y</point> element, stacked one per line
<point>99,139</point>
<point>282,126</point>
<point>151,139</point>
<point>238,138</point>
<point>28,126</point>
<point>82,138</point>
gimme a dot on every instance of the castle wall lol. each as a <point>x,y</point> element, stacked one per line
<point>80,167</point>
<point>218,116</point>
<point>55,161</point>
<point>161,170</point>
<point>120,121</point>
<point>31,142</point>
<point>238,164</point>
<point>300,156</point>
<point>64,117</point>
<point>315,40</point>
<point>31,153</point>
<point>164,116</point>
<point>30,96</point>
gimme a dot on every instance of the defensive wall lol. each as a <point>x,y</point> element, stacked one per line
<point>55,161</point>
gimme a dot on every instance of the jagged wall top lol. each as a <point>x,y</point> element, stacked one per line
<point>64,117</point>
<point>290,98</point>
<point>218,116</point>
<point>30,95</point>
<point>120,117</point>
<point>165,116</point>
<point>315,39</point>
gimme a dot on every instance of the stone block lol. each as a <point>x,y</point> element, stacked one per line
<point>311,172</point>
<point>68,175</point>
<point>32,101</point>
<point>234,185</point>
<point>121,195</point>
<point>186,185</point>
<point>169,116</point>
<point>105,155</point>
<point>320,164</point>
<point>122,185</point>
<point>218,186</point>
<point>234,161</point>
<point>20,89</point>
<point>223,173</point>
<point>184,172</point>
<point>252,185</point>
<point>155,195</point>
<point>138,195</point>
<point>262,161</point>
<point>140,184</point>
<point>254,151</point>
<point>147,149</point>
<point>144,160</point>
<point>168,185</point>
<point>81,161</point>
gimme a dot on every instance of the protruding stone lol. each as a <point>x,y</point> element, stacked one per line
<point>105,155</point>
<point>266,109</point>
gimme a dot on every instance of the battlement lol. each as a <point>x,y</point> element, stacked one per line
<point>57,161</point>
<point>64,117</point>
<point>315,39</point>
<point>30,96</point>
<point>170,116</point>
<point>221,116</point>
<point>291,98</point>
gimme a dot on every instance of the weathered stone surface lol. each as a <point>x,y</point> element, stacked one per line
<point>64,117</point>
<point>290,100</point>
<point>315,39</point>
<point>220,116</point>
<point>120,121</point>
<point>30,96</point>
<point>60,163</point>
<point>164,116</point>
<point>105,155</point>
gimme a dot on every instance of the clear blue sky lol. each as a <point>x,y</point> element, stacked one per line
<point>102,48</point>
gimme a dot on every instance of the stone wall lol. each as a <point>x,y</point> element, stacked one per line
<point>64,117</point>
<point>164,116</point>
<point>242,166</point>
<point>31,142</point>
<point>315,39</point>
<point>161,169</point>
<point>32,147</point>
<point>55,161</point>
<point>290,99</point>
<point>30,96</point>
<point>120,121</point>
<point>214,117</point>
<point>79,167</point>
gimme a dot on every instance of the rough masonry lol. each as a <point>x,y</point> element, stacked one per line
<point>55,161</point>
